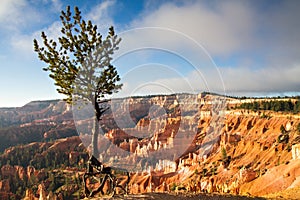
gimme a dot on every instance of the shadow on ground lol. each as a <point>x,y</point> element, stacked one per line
<point>165,196</point>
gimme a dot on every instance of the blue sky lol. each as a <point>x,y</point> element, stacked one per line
<point>232,47</point>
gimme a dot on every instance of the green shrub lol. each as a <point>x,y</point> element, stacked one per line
<point>282,129</point>
<point>224,154</point>
<point>173,187</point>
<point>298,129</point>
<point>283,138</point>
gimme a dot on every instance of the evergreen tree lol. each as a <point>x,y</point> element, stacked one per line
<point>298,128</point>
<point>224,154</point>
<point>282,129</point>
<point>80,63</point>
<point>288,106</point>
<point>297,107</point>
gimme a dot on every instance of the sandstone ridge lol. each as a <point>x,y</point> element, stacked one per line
<point>180,143</point>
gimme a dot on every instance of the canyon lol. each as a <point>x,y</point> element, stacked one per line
<point>179,144</point>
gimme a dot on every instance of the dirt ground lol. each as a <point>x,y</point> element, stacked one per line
<point>291,194</point>
<point>165,196</point>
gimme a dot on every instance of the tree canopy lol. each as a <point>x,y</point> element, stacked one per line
<point>79,61</point>
<point>274,105</point>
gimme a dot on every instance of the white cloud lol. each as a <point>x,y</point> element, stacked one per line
<point>23,44</point>
<point>160,79</point>
<point>263,42</point>
<point>182,30</point>
<point>263,80</point>
<point>9,7</point>
<point>56,5</point>
<point>237,81</point>
<point>282,38</point>
<point>20,15</point>
<point>18,22</point>
<point>10,14</point>
<point>256,43</point>
<point>101,15</point>
<point>222,30</point>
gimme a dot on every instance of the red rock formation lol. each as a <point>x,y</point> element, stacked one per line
<point>296,151</point>
<point>256,162</point>
<point>251,142</point>
<point>247,175</point>
<point>42,192</point>
<point>4,185</point>
<point>29,195</point>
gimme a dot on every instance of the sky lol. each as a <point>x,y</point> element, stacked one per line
<point>249,47</point>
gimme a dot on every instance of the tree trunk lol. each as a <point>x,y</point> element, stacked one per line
<point>95,133</point>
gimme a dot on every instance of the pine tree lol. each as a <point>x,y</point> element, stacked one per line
<point>224,154</point>
<point>282,129</point>
<point>80,63</point>
<point>298,129</point>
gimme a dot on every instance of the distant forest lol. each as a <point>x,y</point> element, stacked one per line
<point>274,105</point>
